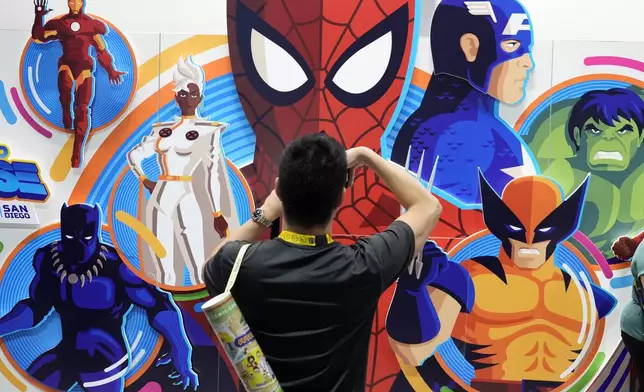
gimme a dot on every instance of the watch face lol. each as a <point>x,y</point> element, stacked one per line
<point>257,214</point>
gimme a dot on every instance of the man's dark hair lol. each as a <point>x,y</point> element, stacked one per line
<point>312,176</point>
<point>605,106</point>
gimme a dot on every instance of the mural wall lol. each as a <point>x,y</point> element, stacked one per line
<point>126,157</point>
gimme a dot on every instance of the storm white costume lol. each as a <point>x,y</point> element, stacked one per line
<point>173,213</point>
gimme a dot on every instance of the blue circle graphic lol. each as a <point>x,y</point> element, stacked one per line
<point>39,78</point>
<point>27,345</point>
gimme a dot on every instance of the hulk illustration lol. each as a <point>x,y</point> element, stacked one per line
<point>603,133</point>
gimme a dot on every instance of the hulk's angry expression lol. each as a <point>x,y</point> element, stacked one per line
<point>606,128</point>
<point>610,147</point>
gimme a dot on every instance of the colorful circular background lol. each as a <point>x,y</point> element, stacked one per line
<point>23,347</point>
<point>485,244</point>
<point>39,81</point>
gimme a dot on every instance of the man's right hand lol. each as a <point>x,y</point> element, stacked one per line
<point>149,185</point>
<point>40,7</point>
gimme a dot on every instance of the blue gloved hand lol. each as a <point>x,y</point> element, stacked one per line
<point>425,268</point>
<point>412,317</point>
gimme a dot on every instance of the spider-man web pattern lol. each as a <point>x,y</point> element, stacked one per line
<point>315,42</point>
<point>293,61</point>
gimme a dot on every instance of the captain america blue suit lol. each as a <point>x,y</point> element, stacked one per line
<point>89,286</point>
<point>458,117</point>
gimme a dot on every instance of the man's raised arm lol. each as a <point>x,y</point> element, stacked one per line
<point>422,208</point>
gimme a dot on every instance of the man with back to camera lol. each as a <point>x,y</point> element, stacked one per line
<point>310,301</point>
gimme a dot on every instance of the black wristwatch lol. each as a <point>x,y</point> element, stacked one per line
<point>258,217</point>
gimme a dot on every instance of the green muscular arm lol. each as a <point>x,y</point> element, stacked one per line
<point>562,172</point>
<point>632,201</point>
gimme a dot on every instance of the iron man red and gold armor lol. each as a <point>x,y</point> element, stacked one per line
<point>77,33</point>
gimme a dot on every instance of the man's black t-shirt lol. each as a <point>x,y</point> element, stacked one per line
<point>311,307</point>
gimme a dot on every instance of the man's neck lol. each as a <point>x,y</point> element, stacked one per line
<point>310,231</point>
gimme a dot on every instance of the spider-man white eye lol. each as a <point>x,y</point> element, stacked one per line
<point>364,72</point>
<point>369,63</point>
<point>277,68</point>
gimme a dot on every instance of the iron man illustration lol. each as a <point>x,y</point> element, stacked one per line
<point>182,148</point>
<point>77,34</point>
<point>295,65</point>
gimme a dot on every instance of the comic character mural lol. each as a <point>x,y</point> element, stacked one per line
<point>507,298</point>
<point>181,148</point>
<point>598,132</point>
<point>295,65</point>
<point>482,56</point>
<point>81,279</point>
<point>537,310</point>
<point>77,32</point>
<point>169,182</point>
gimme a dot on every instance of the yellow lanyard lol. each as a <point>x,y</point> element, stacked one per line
<point>305,239</point>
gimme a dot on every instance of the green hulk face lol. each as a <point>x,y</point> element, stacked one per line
<point>609,147</point>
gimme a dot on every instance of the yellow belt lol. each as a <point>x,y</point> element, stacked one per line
<point>175,178</point>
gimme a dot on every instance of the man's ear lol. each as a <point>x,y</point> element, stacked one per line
<point>470,46</point>
<point>641,138</point>
<point>577,136</point>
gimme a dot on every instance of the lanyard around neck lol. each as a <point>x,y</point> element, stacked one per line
<point>305,239</point>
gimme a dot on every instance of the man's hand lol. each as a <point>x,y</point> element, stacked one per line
<point>355,159</point>
<point>425,268</point>
<point>149,185</point>
<point>221,226</point>
<point>116,77</point>
<point>624,248</point>
<point>272,207</point>
<point>41,7</point>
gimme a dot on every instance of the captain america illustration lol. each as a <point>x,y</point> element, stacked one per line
<point>88,285</point>
<point>482,56</point>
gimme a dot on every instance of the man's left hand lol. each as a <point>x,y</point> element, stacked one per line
<point>272,207</point>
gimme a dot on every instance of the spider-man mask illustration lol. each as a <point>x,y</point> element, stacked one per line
<point>305,66</point>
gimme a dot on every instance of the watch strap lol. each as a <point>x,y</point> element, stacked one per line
<point>259,217</point>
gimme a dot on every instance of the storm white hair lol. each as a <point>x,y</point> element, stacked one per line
<point>186,72</point>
